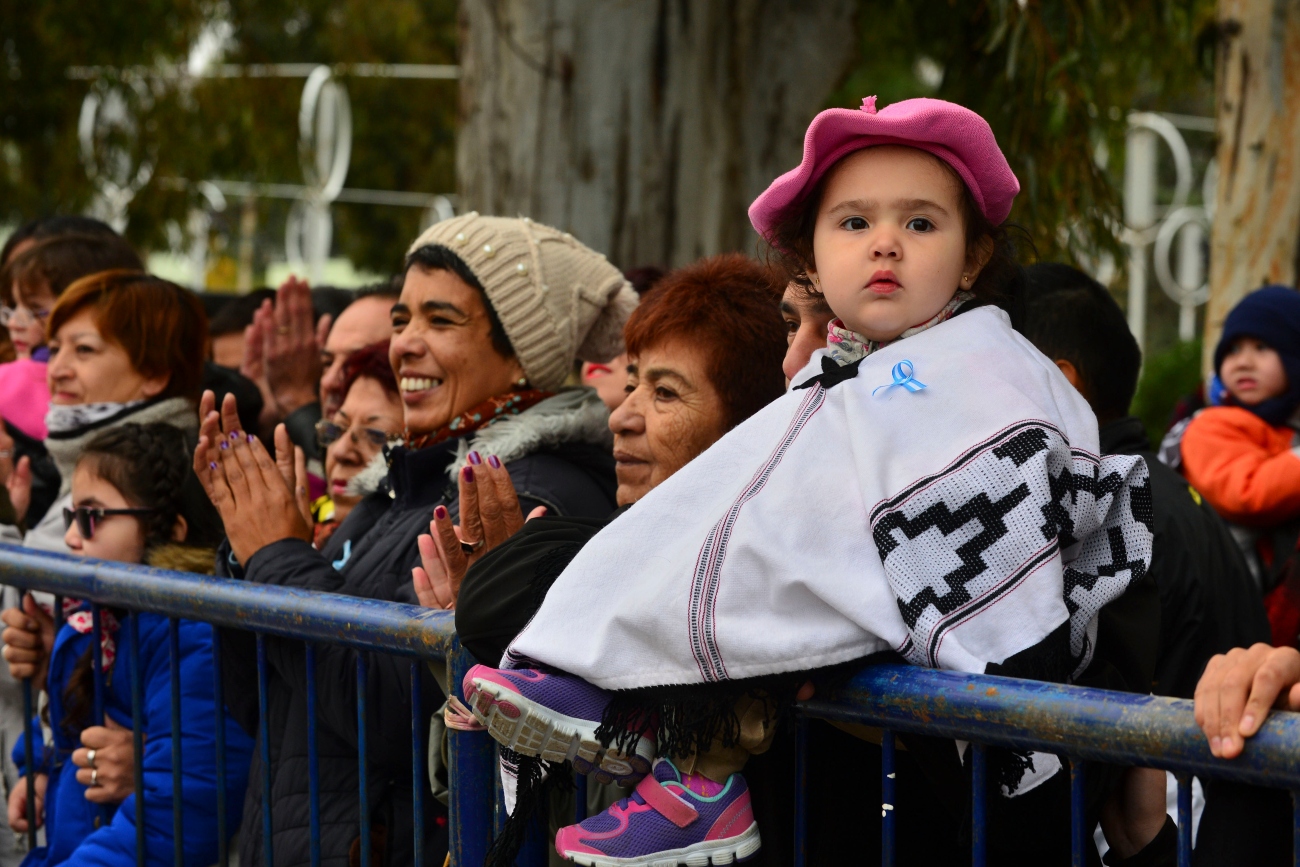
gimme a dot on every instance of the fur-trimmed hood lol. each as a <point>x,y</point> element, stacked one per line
<point>572,415</point>
<point>182,558</point>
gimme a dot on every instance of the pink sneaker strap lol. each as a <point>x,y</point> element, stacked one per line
<point>671,807</point>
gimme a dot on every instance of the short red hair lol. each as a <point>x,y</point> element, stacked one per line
<point>728,305</point>
<point>370,362</point>
<point>162,327</point>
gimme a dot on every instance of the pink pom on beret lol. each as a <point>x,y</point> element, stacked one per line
<point>956,135</point>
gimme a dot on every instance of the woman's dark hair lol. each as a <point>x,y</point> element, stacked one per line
<point>719,304</point>
<point>370,362</point>
<point>1000,282</point>
<point>436,257</point>
<point>149,465</point>
<point>53,227</point>
<point>58,262</point>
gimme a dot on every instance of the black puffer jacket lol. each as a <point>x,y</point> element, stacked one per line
<point>371,555</point>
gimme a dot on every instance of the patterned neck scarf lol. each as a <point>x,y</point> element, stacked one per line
<point>847,346</point>
<point>507,403</point>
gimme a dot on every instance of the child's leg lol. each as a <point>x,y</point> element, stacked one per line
<point>717,763</point>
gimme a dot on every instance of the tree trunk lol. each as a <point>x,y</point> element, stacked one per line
<point>644,127</point>
<point>1255,239</point>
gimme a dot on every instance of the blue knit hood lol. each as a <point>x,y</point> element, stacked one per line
<point>1272,316</point>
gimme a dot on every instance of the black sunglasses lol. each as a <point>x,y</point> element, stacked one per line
<point>328,433</point>
<point>86,517</point>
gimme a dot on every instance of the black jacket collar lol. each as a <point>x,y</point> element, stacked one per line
<point>1124,436</point>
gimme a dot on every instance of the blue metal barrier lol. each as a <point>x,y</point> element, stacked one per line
<point>1078,724</point>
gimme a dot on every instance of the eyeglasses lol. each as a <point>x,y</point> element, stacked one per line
<point>87,517</point>
<point>328,433</point>
<point>10,314</point>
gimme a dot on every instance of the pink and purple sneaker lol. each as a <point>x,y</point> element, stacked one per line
<point>553,716</point>
<point>668,820</point>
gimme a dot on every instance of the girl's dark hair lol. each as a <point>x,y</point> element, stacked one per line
<point>1001,281</point>
<point>149,464</point>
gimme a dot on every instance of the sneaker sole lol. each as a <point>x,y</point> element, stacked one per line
<point>530,729</point>
<point>728,851</point>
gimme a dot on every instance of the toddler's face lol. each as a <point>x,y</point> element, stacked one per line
<point>1252,372</point>
<point>889,244</point>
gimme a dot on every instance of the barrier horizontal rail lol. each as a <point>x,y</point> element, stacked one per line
<point>1078,723</point>
<point>311,615</point>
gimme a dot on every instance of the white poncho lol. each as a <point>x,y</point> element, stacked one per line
<point>957,524</point>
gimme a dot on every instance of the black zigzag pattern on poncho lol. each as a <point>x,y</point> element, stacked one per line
<point>988,512</point>
<point>1056,516</point>
<point>1119,562</point>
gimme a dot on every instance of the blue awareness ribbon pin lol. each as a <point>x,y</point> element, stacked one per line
<point>903,378</point>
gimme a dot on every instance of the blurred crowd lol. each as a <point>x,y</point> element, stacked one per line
<point>451,438</point>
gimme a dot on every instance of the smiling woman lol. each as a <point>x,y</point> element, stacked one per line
<point>492,315</point>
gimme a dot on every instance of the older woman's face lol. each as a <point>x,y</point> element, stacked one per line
<point>86,367</point>
<point>442,351</point>
<point>367,407</point>
<point>671,414</point>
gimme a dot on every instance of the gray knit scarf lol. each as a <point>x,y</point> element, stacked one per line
<point>66,446</point>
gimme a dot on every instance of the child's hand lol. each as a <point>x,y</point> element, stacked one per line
<point>29,639</point>
<point>18,803</point>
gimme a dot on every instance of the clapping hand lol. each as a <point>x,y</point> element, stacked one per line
<point>257,505</point>
<point>489,513</point>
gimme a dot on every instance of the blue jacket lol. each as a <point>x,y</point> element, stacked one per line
<point>72,824</point>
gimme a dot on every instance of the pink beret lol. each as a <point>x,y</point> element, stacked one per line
<point>956,135</point>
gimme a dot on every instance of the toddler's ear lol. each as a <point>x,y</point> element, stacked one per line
<point>978,255</point>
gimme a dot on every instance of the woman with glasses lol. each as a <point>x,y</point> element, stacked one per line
<point>134,499</point>
<point>370,416</point>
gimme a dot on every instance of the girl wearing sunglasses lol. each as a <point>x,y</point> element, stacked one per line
<point>134,500</point>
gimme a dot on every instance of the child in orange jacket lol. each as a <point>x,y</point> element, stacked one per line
<point>1244,456</point>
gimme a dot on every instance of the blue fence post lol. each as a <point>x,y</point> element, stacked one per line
<point>363,784</point>
<point>418,761</point>
<point>471,767</point>
<point>137,737</point>
<point>313,761</point>
<point>979,791</point>
<point>1080,835</point>
<point>1184,820</point>
<point>219,735</point>
<point>801,791</point>
<point>29,755</point>
<point>888,780</point>
<point>264,735</point>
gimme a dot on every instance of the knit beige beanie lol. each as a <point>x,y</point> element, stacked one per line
<point>557,299</point>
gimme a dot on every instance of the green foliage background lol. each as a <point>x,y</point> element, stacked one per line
<point>1053,77</point>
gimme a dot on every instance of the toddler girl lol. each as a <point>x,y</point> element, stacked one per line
<point>135,500</point>
<point>930,486</point>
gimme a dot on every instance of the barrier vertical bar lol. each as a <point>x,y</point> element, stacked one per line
<point>979,817</point>
<point>579,797</point>
<point>472,766</point>
<point>1078,830</point>
<point>59,617</point>
<point>801,791</point>
<point>219,700</point>
<point>264,733</point>
<point>1295,827</point>
<point>1184,820</point>
<point>97,670</point>
<point>362,783</point>
<point>29,754</point>
<point>313,761</point>
<point>417,763</point>
<point>174,657</point>
<point>137,737</point>
<point>888,775</point>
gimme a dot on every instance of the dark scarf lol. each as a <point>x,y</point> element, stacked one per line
<point>511,402</point>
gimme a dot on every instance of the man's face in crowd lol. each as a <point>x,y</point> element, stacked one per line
<point>806,317</point>
<point>364,322</point>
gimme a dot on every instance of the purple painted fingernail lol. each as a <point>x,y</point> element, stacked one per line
<point>440,513</point>
<point>251,438</point>
<point>234,434</point>
<point>212,464</point>
<point>469,474</point>
<point>494,462</point>
<point>224,444</point>
<point>475,458</point>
